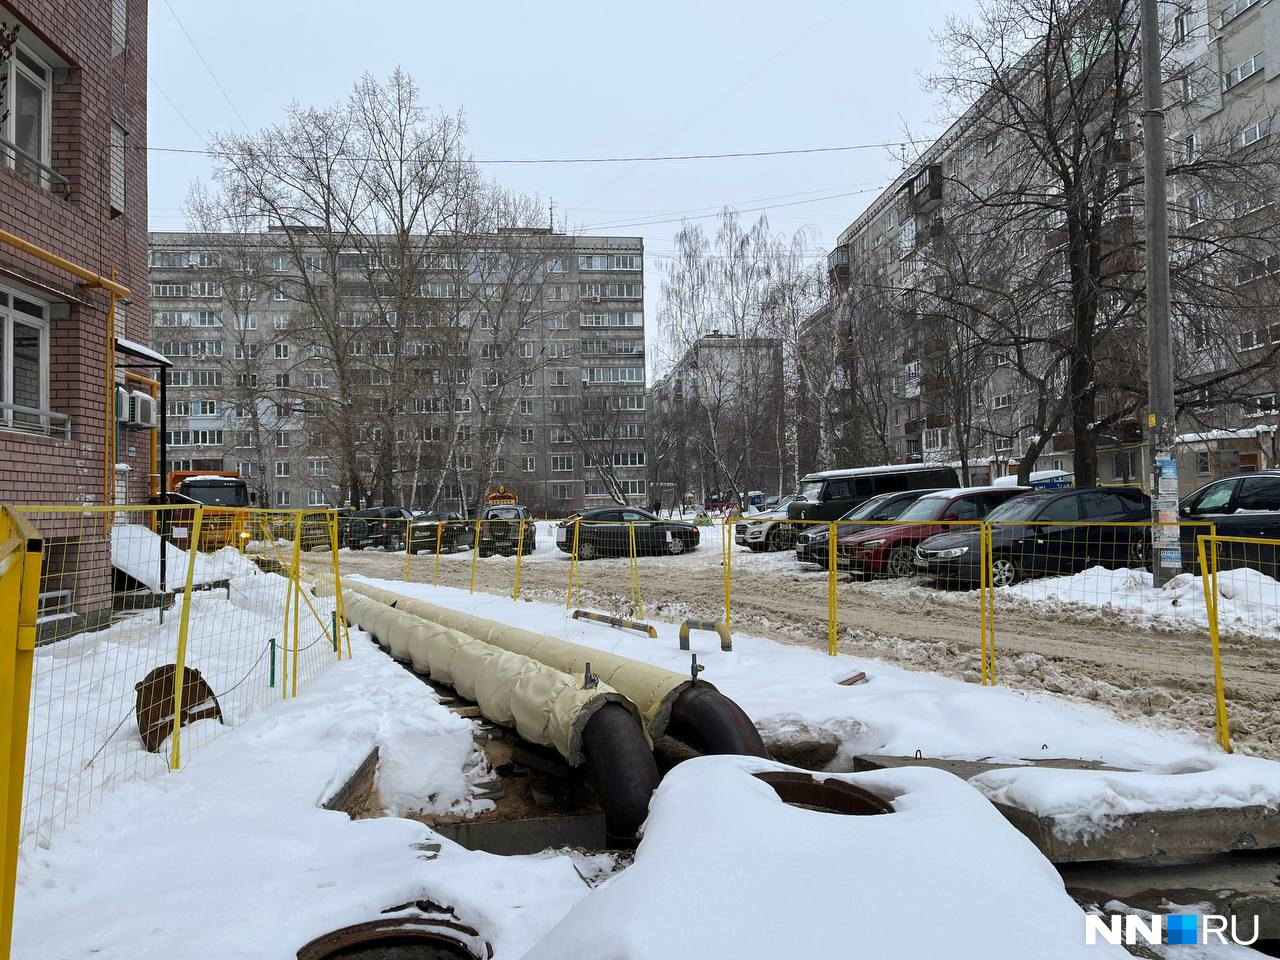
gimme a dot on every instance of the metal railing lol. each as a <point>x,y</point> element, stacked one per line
<point>50,420</point>
<point>14,153</point>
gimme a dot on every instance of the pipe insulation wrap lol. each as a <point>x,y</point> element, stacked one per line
<point>652,689</point>
<point>545,705</point>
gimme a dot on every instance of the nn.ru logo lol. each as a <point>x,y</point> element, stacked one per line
<point>1177,928</point>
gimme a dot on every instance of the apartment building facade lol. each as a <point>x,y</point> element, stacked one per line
<point>73,184</point>
<point>475,384</point>
<point>1220,89</point>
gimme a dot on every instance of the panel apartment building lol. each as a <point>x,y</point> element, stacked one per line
<point>1222,86</point>
<point>473,381</point>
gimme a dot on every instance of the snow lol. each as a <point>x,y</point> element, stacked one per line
<point>1012,479</point>
<point>1244,433</point>
<point>130,346</point>
<point>732,871</point>
<point>1083,801</point>
<point>136,550</point>
<point>868,471</point>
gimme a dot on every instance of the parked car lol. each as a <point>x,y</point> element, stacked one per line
<point>1044,533</point>
<point>767,530</point>
<point>606,531</point>
<point>812,545</point>
<point>388,528</point>
<point>831,494</point>
<point>500,531</point>
<point>1243,505</point>
<point>456,529</point>
<point>891,551</point>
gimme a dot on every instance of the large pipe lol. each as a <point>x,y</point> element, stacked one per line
<point>623,769</point>
<point>710,722</point>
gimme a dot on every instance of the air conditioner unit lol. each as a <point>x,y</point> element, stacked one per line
<point>595,299</point>
<point>142,409</point>
<point>122,405</point>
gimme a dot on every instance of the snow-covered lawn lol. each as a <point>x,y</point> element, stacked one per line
<point>233,857</point>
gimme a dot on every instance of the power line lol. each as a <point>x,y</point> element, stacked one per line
<point>176,109</point>
<point>772,206</point>
<point>747,154</point>
<point>217,82</point>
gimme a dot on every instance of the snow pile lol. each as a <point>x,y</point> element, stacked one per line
<point>136,550</point>
<point>726,869</point>
<point>1083,801</point>
<point>199,864</point>
<point>1248,600</point>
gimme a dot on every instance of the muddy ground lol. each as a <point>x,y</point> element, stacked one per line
<point>1159,671</point>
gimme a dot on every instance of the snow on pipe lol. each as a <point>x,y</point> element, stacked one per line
<point>708,721</point>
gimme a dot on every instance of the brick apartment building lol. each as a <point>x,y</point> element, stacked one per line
<point>73,188</point>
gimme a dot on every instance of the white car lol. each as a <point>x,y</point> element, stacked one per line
<point>768,530</point>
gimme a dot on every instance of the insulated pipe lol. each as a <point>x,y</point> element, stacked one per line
<point>710,722</point>
<point>623,769</point>
<point>620,622</point>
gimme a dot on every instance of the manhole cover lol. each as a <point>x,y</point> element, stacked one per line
<point>825,796</point>
<point>400,938</point>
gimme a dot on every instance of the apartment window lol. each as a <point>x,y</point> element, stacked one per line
<point>1248,272</point>
<point>1243,72</point>
<point>116,151</point>
<point>203,408</point>
<point>561,435</point>
<point>282,380</point>
<point>1002,401</point>
<point>556,265</point>
<point>283,498</point>
<point>526,350</point>
<point>633,488</point>
<point>614,375</point>
<point>317,467</point>
<point>1004,445</point>
<point>558,322</point>
<point>1249,339</point>
<point>279,296</point>
<point>207,378</point>
<point>559,378</point>
<point>560,491</point>
<point>937,438</point>
<point>626,261</point>
<point>625,291</point>
<point>246,468</point>
<point>629,402</point>
<point>629,458</point>
<point>245,351</point>
<point>206,318</point>
<point>1234,9</point>
<point>1204,463</point>
<point>318,379</point>
<point>463,461</point>
<point>243,438</point>
<point>631,431</point>
<point>561,463</point>
<point>558,350</point>
<point>526,434</point>
<point>282,351</point>
<point>245,380</point>
<point>1253,133</point>
<point>282,468</point>
<point>279,321</point>
<point>205,288</point>
<point>282,438</point>
<point>24,362</point>
<point>1264,405</point>
<point>29,106</point>
<point>557,292</point>
<point>168,290</point>
<point>489,379</point>
<point>247,321</point>
<point>119,25</point>
<point>1182,27</point>
<point>593,262</point>
<point>205,348</point>
<point>178,408</point>
<point>589,291</point>
<point>528,464</point>
<point>177,438</point>
<point>316,498</point>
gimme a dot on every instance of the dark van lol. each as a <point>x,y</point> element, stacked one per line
<point>830,494</point>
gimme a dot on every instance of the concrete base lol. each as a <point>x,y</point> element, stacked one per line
<point>519,837</point>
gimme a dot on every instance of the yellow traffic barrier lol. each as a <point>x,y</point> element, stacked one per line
<point>515,590</point>
<point>573,566</point>
<point>715,626</point>
<point>180,660</point>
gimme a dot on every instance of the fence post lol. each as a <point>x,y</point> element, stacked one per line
<point>297,596</point>
<point>284,631</point>
<point>19,598</point>
<point>637,608</point>
<point>515,592</point>
<point>439,540</point>
<point>832,607</point>
<point>726,546</point>
<point>184,622</point>
<point>573,564</point>
<point>408,545</point>
<point>1209,578</point>
<point>340,610</point>
<point>475,553</point>
<point>985,598</point>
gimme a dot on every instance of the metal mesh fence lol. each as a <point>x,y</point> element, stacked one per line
<point>147,613</point>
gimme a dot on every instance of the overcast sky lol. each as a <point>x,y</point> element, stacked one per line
<point>569,79</point>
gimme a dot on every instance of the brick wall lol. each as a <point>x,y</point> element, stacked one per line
<point>96,90</point>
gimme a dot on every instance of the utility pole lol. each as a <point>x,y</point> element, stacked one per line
<point>1166,555</point>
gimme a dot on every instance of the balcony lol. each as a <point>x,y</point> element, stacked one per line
<point>838,266</point>
<point>924,192</point>
<point>33,421</point>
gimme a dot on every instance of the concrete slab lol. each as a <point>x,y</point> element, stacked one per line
<point>964,769</point>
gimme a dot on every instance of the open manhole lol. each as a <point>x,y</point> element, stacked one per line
<point>825,796</point>
<point>400,938</point>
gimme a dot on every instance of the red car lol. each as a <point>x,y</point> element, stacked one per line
<point>890,550</point>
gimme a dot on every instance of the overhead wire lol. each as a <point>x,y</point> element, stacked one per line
<point>218,83</point>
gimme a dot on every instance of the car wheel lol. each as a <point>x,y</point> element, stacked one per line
<point>676,546</point>
<point>586,550</point>
<point>1005,572</point>
<point>781,537</point>
<point>902,562</point>
<point>395,544</point>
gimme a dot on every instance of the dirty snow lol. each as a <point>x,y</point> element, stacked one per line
<point>136,550</point>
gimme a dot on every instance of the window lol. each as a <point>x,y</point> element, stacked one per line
<point>561,435</point>
<point>279,296</point>
<point>282,468</point>
<point>463,461</point>
<point>589,291</point>
<point>203,408</point>
<point>317,467</point>
<point>24,363</point>
<point>558,350</point>
<point>1211,499</point>
<point>1252,134</point>
<point>559,378</point>
<point>526,434</point>
<point>29,109</point>
<point>633,488</point>
<point>625,262</point>
<point>557,292</point>
<point>282,351</point>
<point>205,288</point>
<point>282,380</point>
<point>246,468</point>
<point>1263,405</point>
<point>279,321</point>
<point>168,290</point>
<point>207,378</point>
<point>528,464</point>
<point>556,265</point>
<point>614,375</point>
<point>116,149</point>
<point>243,438</point>
<point>1002,401</point>
<point>1249,339</point>
<point>206,318</point>
<point>560,491</point>
<point>1259,493</point>
<point>178,408</point>
<point>629,458</point>
<point>243,380</point>
<point>593,262</point>
<point>1243,72</point>
<point>624,291</point>
<point>1234,9</point>
<point>561,463</point>
<point>282,438</point>
<point>247,321</point>
<point>283,498</point>
<point>119,25</point>
<point>558,322</point>
<point>245,351</point>
<point>1181,27</point>
<point>1204,463</point>
<point>316,498</point>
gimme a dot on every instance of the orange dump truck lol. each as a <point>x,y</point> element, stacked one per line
<point>225,495</point>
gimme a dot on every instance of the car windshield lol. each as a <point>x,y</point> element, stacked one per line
<point>504,513</point>
<point>218,495</point>
<point>926,508</point>
<point>1019,508</point>
<point>867,508</point>
<point>811,490</point>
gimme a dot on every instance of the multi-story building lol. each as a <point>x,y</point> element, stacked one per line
<point>73,185</point>
<point>552,408</point>
<point>1220,91</point>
